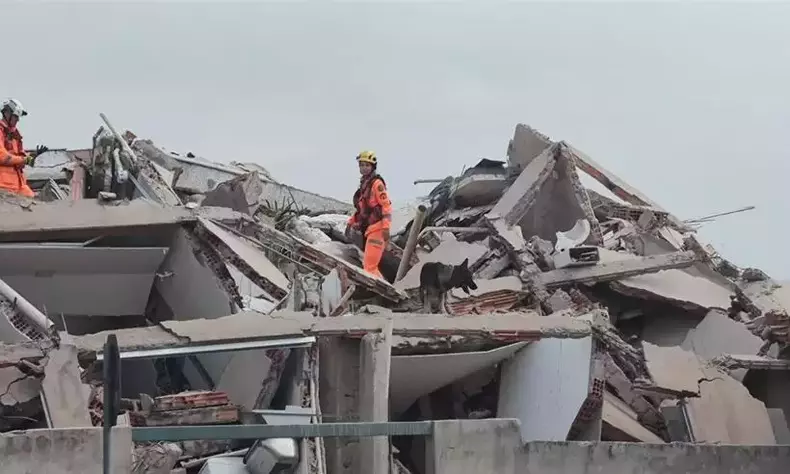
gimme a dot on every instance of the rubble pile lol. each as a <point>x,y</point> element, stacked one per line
<point>235,299</point>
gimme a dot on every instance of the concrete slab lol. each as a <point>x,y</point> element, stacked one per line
<point>519,198</point>
<point>245,326</point>
<point>718,335</point>
<point>526,145</point>
<point>85,217</point>
<point>726,413</point>
<point>673,369</point>
<point>76,280</point>
<point>671,285</point>
<point>616,266</point>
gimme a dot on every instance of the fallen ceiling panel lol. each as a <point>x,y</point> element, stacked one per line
<point>413,376</point>
<point>72,280</point>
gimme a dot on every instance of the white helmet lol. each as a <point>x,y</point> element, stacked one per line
<point>15,107</point>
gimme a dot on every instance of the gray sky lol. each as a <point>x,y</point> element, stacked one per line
<point>687,102</point>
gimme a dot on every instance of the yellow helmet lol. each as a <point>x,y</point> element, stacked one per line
<point>367,156</point>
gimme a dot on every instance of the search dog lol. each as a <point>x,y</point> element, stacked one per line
<point>437,279</point>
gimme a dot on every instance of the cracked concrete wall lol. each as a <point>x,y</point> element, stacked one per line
<point>64,451</point>
<point>493,446</point>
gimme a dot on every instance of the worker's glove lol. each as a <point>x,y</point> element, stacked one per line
<point>41,149</point>
<point>385,234</point>
<point>30,160</point>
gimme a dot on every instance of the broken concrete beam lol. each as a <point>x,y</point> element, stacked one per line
<point>617,269</point>
<point>374,389</point>
<point>218,415</point>
<point>62,391</point>
<point>11,355</point>
<point>151,179</point>
<point>567,163</point>
<point>514,204</point>
<point>646,412</point>
<point>750,362</point>
<point>767,303</point>
<point>254,326</point>
<point>242,253</point>
<point>616,185</point>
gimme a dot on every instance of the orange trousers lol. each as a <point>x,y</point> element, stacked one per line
<point>374,250</point>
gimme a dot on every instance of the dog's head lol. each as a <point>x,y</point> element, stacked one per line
<point>462,277</point>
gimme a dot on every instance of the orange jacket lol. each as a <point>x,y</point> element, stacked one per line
<point>12,160</point>
<point>373,206</point>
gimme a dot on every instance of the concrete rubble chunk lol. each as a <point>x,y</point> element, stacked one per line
<point>241,194</point>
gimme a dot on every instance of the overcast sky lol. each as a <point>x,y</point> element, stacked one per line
<point>687,102</point>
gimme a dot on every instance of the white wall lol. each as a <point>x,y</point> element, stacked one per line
<point>544,386</point>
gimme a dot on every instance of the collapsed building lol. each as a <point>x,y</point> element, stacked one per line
<point>239,301</point>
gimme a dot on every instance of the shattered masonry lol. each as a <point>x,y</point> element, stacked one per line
<point>236,299</point>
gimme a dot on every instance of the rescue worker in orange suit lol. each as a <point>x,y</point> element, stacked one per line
<point>13,158</point>
<point>373,216</point>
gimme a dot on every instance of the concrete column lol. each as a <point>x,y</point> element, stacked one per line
<point>374,388</point>
<point>339,394</point>
<point>476,446</point>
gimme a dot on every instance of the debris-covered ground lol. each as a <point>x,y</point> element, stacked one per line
<point>236,299</point>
